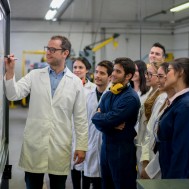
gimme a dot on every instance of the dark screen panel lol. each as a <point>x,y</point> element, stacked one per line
<point>4,118</point>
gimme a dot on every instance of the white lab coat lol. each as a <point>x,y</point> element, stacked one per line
<point>140,129</point>
<point>147,153</point>
<point>47,140</point>
<point>88,87</point>
<point>153,167</point>
<point>142,100</point>
<point>92,159</point>
<point>143,128</point>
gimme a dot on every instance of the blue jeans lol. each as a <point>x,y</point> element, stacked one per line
<point>35,181</point>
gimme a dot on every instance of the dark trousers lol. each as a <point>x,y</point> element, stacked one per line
<point>76,178</point>
<point>35,181</point>
<point>80,181</point>
<point>95,181</point>
<point>118,166</point>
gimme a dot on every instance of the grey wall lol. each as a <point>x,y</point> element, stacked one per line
<point>34,35</point>
<point>181,41</point>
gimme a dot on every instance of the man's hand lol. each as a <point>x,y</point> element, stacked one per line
<point>9,66</point>
<point>144,175</point>
<point>79,156</point>
<point>120,127</point>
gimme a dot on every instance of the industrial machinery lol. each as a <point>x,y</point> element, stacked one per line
<point>24,53</point>
<point>89,53</point>
<point>26,68</point>
<point>89,50</point>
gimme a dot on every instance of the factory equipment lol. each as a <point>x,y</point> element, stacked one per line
<point>89,50</point>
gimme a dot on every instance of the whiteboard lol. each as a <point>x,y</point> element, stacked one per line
<point>2,50</point>
<point>4,123</point>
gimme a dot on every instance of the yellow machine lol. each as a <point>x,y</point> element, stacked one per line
<point>169,57</point>
<point>89,50</point>
<point>39,52</point>
<point>107,41</point>
<point>24,53</point>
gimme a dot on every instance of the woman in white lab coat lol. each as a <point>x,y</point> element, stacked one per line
<point>153,102</point>
<point>81,68</point>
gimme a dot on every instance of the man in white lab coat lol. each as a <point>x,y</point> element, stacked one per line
<point>55,95</point>
<point>102,79</point>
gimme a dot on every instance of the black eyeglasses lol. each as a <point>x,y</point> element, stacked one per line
<point>161,76</point>
<point>52,49</point>
<point>149,74</point>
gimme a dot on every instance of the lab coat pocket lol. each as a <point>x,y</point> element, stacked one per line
<point>62,154</point>
<point>35,131</point>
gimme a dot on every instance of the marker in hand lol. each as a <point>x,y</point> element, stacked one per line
<point>8,56</point>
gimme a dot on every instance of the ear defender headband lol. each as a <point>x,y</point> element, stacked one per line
<point>117,88</point>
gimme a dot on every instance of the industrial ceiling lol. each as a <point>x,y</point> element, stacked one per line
<point>105,11</point>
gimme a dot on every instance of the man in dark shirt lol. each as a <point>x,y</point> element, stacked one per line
<point>116,118</point>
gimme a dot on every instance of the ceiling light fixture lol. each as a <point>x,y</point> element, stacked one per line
<point>63,8</point>
<point>180,7</point>
<point>56,4</point>
<point>50,14</point>
<point>57,8</point>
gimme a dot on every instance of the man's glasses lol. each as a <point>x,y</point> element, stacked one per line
<point>149,74</point>
<point>52,50</point>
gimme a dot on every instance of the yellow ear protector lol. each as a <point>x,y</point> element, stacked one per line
<point>117,88</point>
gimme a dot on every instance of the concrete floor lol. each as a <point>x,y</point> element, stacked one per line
<point>17,120</point>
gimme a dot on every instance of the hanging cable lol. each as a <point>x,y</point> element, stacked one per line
<point>72,15</point>
<point>99,22</point>
<point>84,13</point>
<point>140,20</point>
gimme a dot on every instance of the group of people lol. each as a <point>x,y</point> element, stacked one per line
<point>131,122</point>
<point>163,127</point>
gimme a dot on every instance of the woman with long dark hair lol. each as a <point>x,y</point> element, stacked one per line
<point>173,129</point>
<point>81,67</point>
<point>139,80</point>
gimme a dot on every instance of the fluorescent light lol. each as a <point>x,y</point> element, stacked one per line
<point>56,4</point>
<point>1,16</point>
<point>63,8</point>
<point>50,14</point>
<point>180,7</point>
<point>57,8</point>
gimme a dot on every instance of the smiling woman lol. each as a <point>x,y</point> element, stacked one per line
<point>152,103</point>
<point>81,67</point>
<point>173,133</point>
